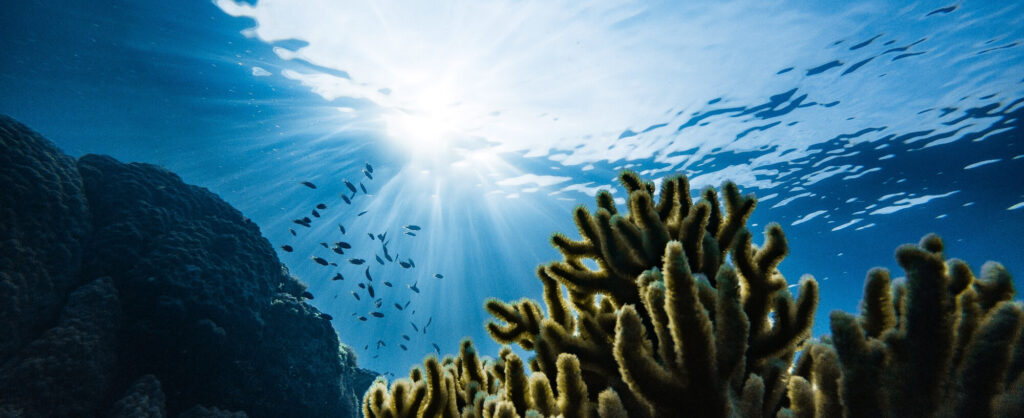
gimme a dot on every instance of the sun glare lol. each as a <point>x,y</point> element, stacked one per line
<point>425,120</point>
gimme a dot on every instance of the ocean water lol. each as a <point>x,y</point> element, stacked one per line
<point>860,127</point>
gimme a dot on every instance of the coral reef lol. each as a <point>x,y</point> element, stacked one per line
<point>124,291</point>
<point>685,316</point>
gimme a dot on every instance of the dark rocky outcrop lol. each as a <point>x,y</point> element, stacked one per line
<point>125,292</point>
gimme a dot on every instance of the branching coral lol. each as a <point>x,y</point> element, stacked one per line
<point>665,326</point>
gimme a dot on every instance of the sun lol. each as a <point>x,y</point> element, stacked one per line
<point>426,120</point>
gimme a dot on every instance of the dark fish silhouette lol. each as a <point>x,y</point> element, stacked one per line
<point>356,261</point>
<point>403,347</point>
<point>338,276</point>
<point>323,244</point>
<point>304,222</point>
<point>292,231</point>
<point>343,244</point>
<point>387,283</point>
<point>397,306</point>
<point>326,316</point>
<point>341,228</point>
<point>404,264</point>
<point>439,275</point>
<point>307,295</point>
<point>411,234</point>
<point>411,263</point>
<point>320,261</point>
<point>346,199</point>
<point>369,167</point>
<point>338,251</point>
<point>379,260</point>
<point>365,347</point>
<point>414,326</point>
<point>378,302</point>
<point>371,236</point>
<point>315,213</point>
<point>362,318</point>
<point>367,174</point>
<point>368,275</point>
<point>407,303</point>
<point>321,206</point>
<point>429,320</point>
<point>380,237</point>
<point>356,295</point>
<point>369,288</point>
<point>406,337</point>
<point>377,314</point>
<point>333,264</point>
<point>362,213</point>
<point>381,343</point>
<point>308,184</point>
<point>413,287</point>
<point>362,285</point>
<point>436,348</point>
<point>386,255</point>
<point>363,188</point>
<point>350,186</point>
<point>412,227</point>
<point>287,248</point>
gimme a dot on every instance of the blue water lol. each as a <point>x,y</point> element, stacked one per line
<point>860,127</point>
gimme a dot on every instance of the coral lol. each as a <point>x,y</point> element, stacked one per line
<point>668,326</point>
<point>145,398</point>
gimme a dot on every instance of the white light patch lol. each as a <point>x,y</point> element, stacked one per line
<point>981,163</point>
<point>808,217</point>
<point>540,181</point>
<point>909,202</point>
<point>260,72</point>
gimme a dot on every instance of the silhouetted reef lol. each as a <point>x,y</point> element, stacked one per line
<point>125,292</point>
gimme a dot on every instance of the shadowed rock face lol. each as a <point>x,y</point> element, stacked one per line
<point>161,297</point>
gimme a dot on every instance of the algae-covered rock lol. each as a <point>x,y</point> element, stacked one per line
<point>180,287</point>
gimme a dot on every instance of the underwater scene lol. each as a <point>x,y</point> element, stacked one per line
<point>512,208</point>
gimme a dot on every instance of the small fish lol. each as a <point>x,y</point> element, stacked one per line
<point>362,213</point>
<point>411,234</point>
<point>368,277</point>
<point>369,167</point>
<point>378,302</point>
<point>287,248</point>
<point>387,283</point>
<point>341,228</point>
<point>346,199</point>
<point>292,231</point>
<point>413,287</point>
<point>323,244</point>
<point>367,174</point>
<point>301,222</point>
<point>429,320</point>
<point>439,275</point>
<point>306,219</point>
<point>381,343</point>
<point>407,303</point>
<point>350,186</point>
<point>389,257</point>
<point>315,213</point>
<point>379,259</point>
<point>307,295</point>
<point>356,261</point>
<point>375,356</point>
<point>362,318</point>
<point>333,264</point>
<point>371,236</point>
<point>397,306</point>
<point>366,347</point>
<point>363,188</point>
<point>308,184</point>
<point>369,289</point>
<point>411,263</point>
<point>321,206</point>
<point>414,326</point>
<point>436,348</point>
<point>406,337</point>
<point>356,295</point>
<point>326,316</point>
<point>412,227</point>
<point>338,251</point>
<point>343,244</point>
<point>320,261</point>
<point>338,276</point>
<point>377,314</point>
<point>404,264</point>
<point>362,285</point>
<point>403,347</point>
